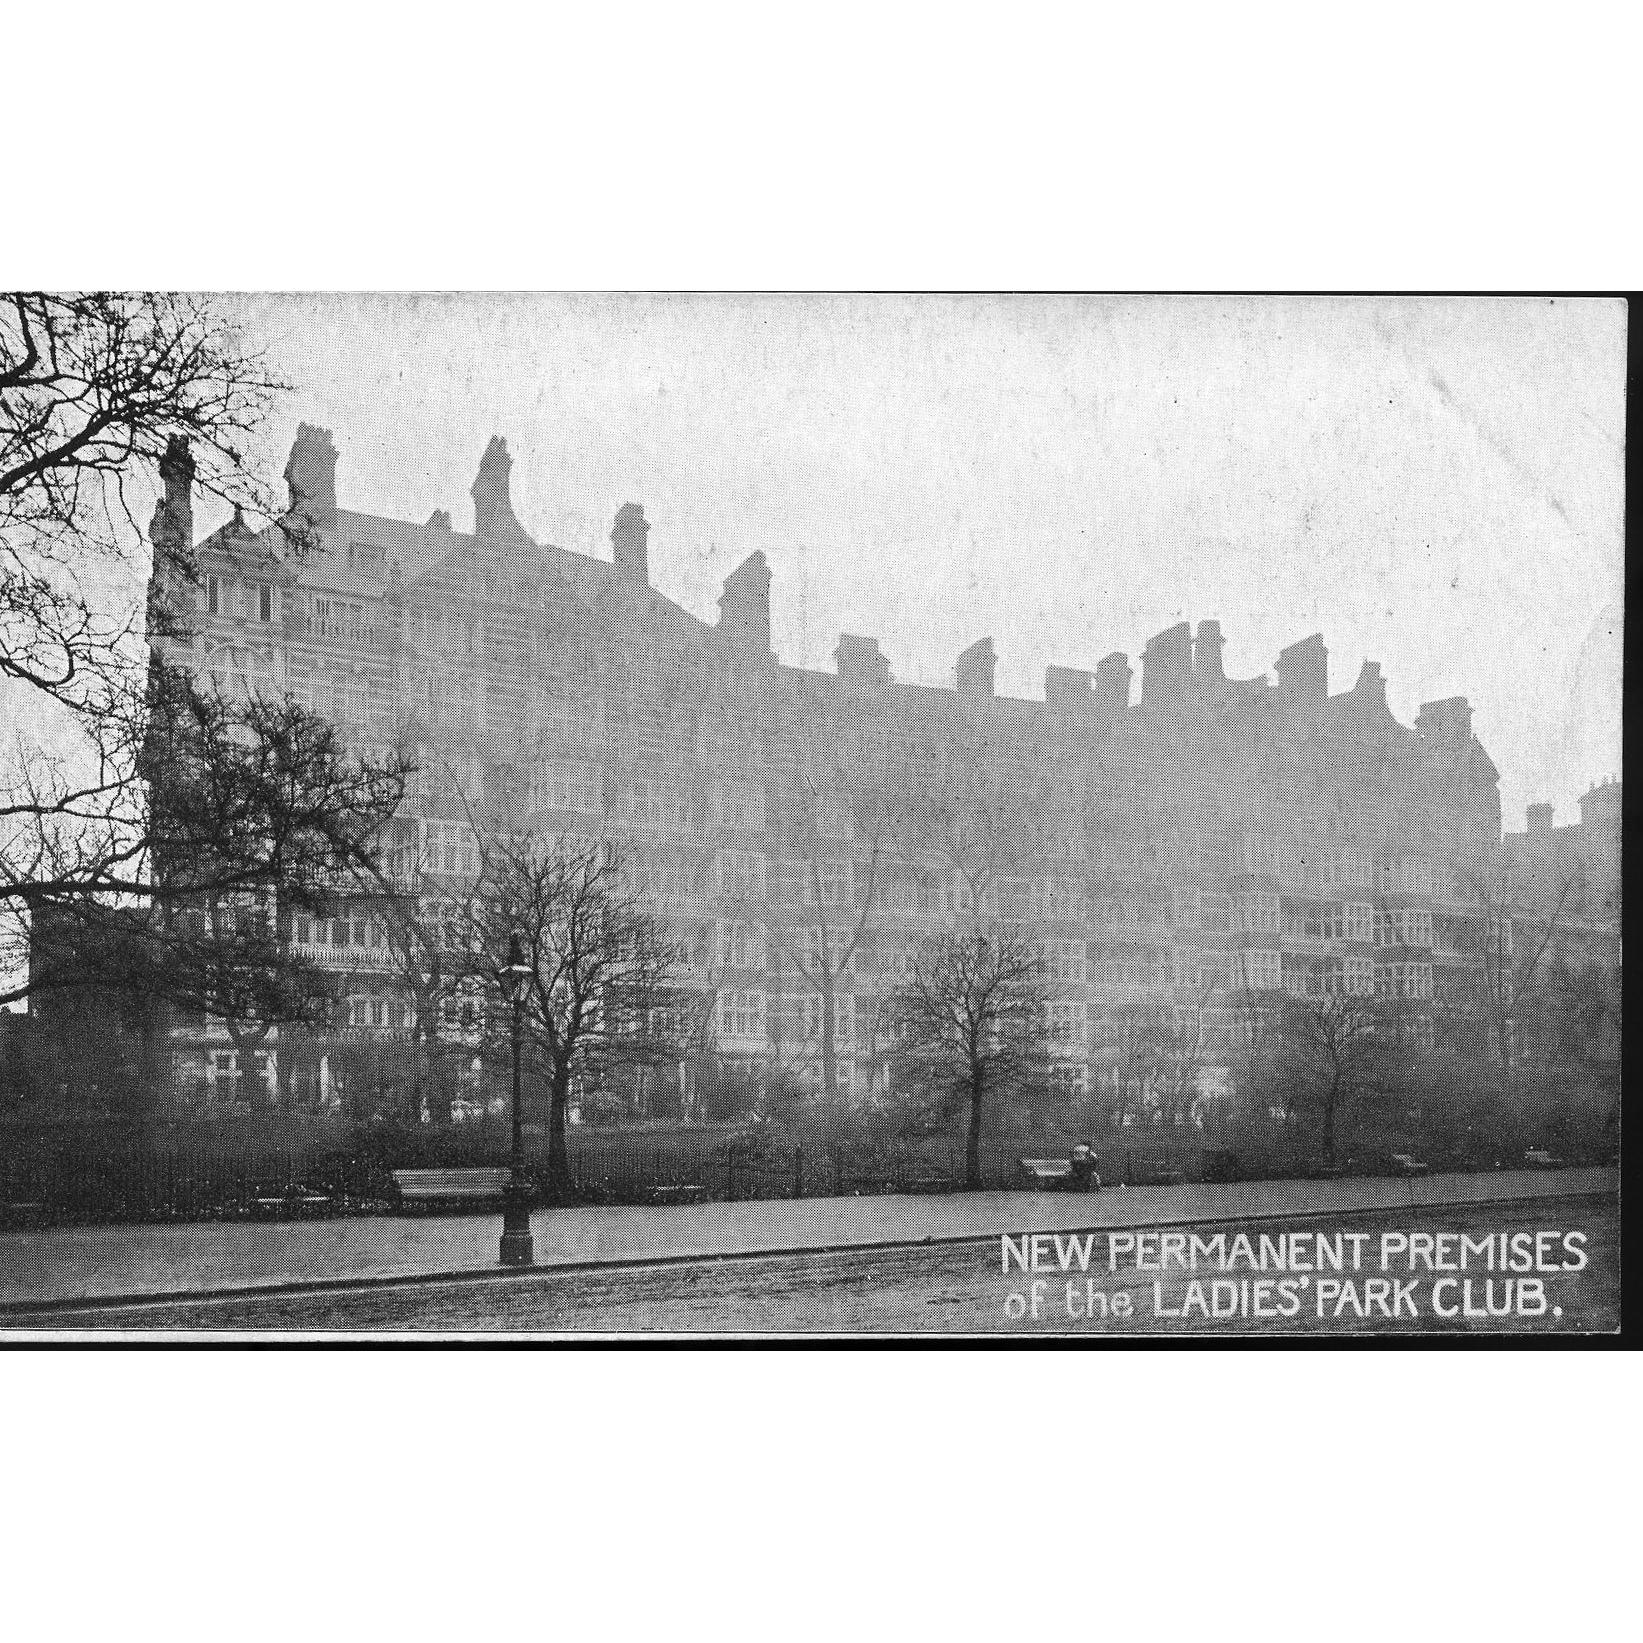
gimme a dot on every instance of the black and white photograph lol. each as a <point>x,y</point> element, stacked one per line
<point>811,815</point>
<point>812,823</point>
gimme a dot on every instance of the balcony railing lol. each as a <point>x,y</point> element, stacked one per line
<point>320,627</point>
<point>328,957</point>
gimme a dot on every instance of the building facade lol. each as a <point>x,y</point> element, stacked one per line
<point>1177,848</point>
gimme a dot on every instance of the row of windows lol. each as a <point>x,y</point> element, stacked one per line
<point>381,1012</point>
<point>222,596</point>
<point>1324,867</point>
<point>342,699</point>
<point>1256,971</point>
<point>1410,980</point>
<point>1403,927</point>
<point>1067,1026</point>
<point>449,847</point>
<point>352,931</point>
<point>665,806</point>
<point>577,788</point>
<point>1063,960</point>
<point>1351,976</point>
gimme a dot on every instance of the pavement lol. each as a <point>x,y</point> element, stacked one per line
<point>64,1265</point>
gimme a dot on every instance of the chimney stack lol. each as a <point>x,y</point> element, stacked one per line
<point>1068,687</point>
<point>627,537</point>
<point>1447,723</point>
<point>493,507</point>
<point>1112,682</point>
<point>1166,666</point>
<point>311,475</point>
<point>172,529</point>
<point>974,673</point>
<point>1206,654</point>
<point>860,662</point>
<point>744,606</point>
<point>1303,671</point>
<point>1600,806</point>
<point>1371,687</point>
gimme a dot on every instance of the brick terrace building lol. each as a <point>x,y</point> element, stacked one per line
<point>1211,840</point>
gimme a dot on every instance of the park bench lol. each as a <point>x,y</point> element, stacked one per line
<point>444,1188</point>
<point>1060,1174</point>
<point>1046,1174</point>
<point>291,1203</point>
<point>678,1195</point>
<point>1540,1158</point>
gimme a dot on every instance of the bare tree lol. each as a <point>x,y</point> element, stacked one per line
<point>1137,1040</point>
<point>427,921</point>
<point>1160,1050</point>
<point>1332,1036</point>
<point>95,391</point>
<point>970,1021</point>
<point>244,815</point>
<point>602,978</point>
<point>825,963</point>
<point>1517,918</point>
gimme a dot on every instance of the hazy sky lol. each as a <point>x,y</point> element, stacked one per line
<point>1434,484</point>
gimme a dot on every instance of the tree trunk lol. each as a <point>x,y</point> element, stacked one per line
<point>1329,1119</point>
<point>559,1186</point>
<point>830,1057</point>
<point>154,1088</point>
<point>972,1144</point>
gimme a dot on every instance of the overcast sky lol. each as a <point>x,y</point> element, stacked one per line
<point>1434,484</point>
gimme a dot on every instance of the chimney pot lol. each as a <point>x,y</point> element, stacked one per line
<point>628,540</point>
<point>1206,653</point>
<point>311,474</point>
<point>1112,682</point>
<point>974,672</point>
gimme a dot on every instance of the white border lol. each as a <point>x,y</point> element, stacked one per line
<point>420,1495</point>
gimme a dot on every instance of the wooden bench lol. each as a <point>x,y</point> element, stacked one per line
<point>1059,1175</point>
<point>291,1203</point>
<point>442,1188</point>
<point>678,1195</point>
<point>1046,1174</point>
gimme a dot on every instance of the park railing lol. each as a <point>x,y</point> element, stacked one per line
<point>86,1175</point>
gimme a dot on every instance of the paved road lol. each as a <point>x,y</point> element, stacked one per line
<point>66,1264</point>
<point>947,1288</point>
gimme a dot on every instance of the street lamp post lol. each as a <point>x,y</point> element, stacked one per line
<point>517,1247</point>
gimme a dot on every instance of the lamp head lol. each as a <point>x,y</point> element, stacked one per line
<point>515,971</point>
